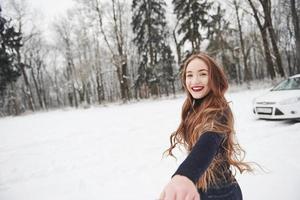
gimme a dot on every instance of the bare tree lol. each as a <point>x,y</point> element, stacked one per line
<point>63,30</point>
<point>266,4</point>
<point>263,29</point>
<point>19,9</point>
<point>296,24</point>
<point>247,76</point>
<point>119,57</point>
<point>34,54</point>
<point>98,70</point>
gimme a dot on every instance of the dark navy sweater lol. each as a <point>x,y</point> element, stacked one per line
<point>201,156</point>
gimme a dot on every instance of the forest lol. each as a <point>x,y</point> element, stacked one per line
<point>122,51</point>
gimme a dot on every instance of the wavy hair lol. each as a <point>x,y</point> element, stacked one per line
<point>211,113</point>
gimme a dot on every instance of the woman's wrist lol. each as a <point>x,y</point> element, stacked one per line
<point>183,178</point>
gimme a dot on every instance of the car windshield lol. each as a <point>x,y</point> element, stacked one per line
<point>289,84</point>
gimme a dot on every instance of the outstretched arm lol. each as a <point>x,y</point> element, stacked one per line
<point>182,185</point>
<point>201,156</point>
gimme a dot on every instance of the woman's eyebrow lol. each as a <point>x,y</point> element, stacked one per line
<point>198,70</point>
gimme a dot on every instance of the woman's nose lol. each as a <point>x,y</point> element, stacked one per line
<point>196,79</point>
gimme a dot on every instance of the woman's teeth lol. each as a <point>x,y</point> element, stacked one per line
<point>197,89</point>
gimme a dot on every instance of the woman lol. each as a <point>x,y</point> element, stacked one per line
<point>206,131</point>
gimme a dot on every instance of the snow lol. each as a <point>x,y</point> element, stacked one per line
<point>115,152</point>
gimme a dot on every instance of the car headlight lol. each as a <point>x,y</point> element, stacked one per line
<point>290,101</point>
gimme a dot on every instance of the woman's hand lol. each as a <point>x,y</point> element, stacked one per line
<point>180,188</point>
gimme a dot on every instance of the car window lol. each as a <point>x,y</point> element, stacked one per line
<point>289,84</point>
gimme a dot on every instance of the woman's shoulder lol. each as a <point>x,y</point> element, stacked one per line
<point>222,116</point>
<point>213,134</point>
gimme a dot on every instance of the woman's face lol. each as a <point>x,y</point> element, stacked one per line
<point>197,78</point>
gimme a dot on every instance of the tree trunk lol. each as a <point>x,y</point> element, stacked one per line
<point>122,61</point>
<point>173,88</point>
<point>149,23</point>
<point>37,88</point>
<point>256,73</point>
<point>178,47</point>
<point>99,85</point>
<point>296,23</point>
<point>81,92</point>
<point>59,101</point>
<point>125,79</point>
<point>247,74</point>
<point>270,65</point>
<point>43,91</point>
<point>288,57</point>
<point>119,60</point>
<point>263,31</point>
<point>266,4</point>
<point>74,95</point>
<point>13,101</point>
<point>28,92</point>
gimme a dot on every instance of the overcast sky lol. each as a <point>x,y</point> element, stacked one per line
<point>49,11</point>
<point>51,8</point>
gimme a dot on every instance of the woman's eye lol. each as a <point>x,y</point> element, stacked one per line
<point>189,75</point>
<point>203,74</point>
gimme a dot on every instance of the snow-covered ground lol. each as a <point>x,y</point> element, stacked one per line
<point>115,152</point>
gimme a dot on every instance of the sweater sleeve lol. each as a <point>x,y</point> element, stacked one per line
<point>200,156</point>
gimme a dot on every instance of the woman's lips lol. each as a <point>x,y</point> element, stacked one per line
<point>197,88</point>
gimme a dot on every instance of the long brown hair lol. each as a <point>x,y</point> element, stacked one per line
<point>209,115</point>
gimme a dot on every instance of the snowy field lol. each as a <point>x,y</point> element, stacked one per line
<point>115,152</point>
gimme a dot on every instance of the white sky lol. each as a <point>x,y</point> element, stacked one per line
<point>41,13</point>
<point>51,8</point>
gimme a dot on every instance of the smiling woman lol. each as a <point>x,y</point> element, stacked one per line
<point>197,78</point>
<point>206,131</point>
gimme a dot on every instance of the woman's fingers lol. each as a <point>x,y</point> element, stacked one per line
<point>180,188</point>
<point>178,196</point>
<point>170,196</point>
<point>162,195</point>
<point>189,197</point>
<point>196,197</point>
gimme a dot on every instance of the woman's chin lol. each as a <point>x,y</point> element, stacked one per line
<point>197,96</point>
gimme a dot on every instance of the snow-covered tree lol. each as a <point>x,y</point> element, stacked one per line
<point>151,37</point>
<point>10,40</point>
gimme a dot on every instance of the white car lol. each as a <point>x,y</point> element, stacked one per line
<point>281,102</point>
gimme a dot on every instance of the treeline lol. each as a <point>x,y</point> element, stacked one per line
<point>105,51</point>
